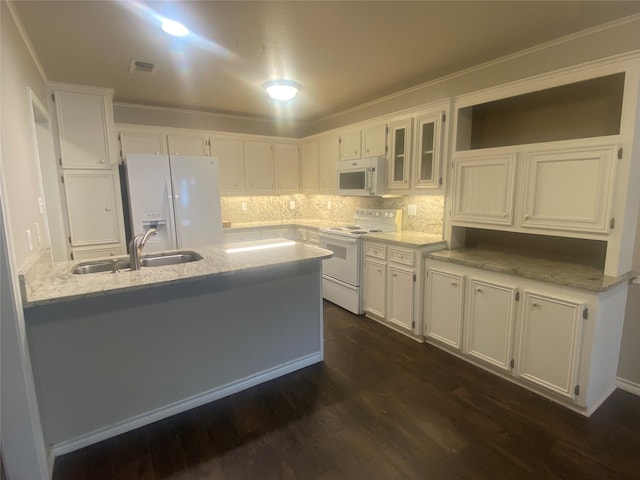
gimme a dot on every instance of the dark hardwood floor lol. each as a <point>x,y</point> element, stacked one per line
<point>381,406</point>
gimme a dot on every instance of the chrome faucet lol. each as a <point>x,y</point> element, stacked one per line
<point>135,248</point>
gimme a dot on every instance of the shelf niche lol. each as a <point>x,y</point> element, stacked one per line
<point>590,108</point>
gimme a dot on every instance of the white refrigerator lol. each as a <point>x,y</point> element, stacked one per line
<point>179,196</point>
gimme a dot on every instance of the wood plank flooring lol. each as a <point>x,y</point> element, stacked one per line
<point>381,406</point>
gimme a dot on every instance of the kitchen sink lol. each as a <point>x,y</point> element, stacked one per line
<point>169,258</point>
<point>122,263</point>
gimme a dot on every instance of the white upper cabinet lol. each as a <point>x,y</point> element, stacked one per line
<point>484,189</point>
<point>258,160</point>
<point>196,145</point>
<point>427,159</point>
<point>374,140</point>
<point>142,142</point>
<point>569,189</point>
<point>228,150</point>
<point>309,166</point>
<point>84,123</point>
<point>350,144</point>
<point>287,167</point>
<point>400,158</point>
<point>328,156</point>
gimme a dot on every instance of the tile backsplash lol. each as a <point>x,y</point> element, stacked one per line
<point>277,207</point>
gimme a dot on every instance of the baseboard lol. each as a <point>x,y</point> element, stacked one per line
<point>628,386</point>
<point>187,404</point>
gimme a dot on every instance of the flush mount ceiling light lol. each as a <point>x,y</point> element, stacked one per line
<point>282,90</point>
<point>174,28</point>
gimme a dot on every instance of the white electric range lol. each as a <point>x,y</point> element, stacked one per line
<point>342,273</point>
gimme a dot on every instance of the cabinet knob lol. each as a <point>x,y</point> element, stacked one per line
<point>534,305</point>
<point>379,271</point>
<point>504,215</point>
<point>101,160</point>
<point>157,153</point>
<point>107,209</point>
<point>526,217</point>
<point>395,274</point>
<point>479,290</point>
<point>454,284</point>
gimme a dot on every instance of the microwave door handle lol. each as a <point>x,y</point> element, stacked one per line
<point>368,186</point>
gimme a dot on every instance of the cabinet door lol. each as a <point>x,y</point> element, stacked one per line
<point>490,322</point>
<point>83,121</point>
<point>375,282</point>
<point>374,138</point>
<point>444,307</point>
<point>258,159</point>
<point>92,208</point>
<point>309,166</point>
<point>483,189</point>
<point>193,145</point>
<point>142,142</point>
<point>400,154</point>
<point>401,296</point>
<point>287,167</point>
<point>328,155</point>
<point>548,346</point>
<point>231,163</point>
<point>569,189</point>
<point>428,156</point>
<point>350,145</point>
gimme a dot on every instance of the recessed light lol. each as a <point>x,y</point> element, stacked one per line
<point>174,28</point>
<point>282,90</point>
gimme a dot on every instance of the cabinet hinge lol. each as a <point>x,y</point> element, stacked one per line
<point>577,390</point>
<point>414,277</point>
<point>61,178</point>
<point>413,324</point>
<point>512,363</point>
<point>119,137</point>
<point>69,238</point>
<point>620,154</point>
<point>386,129</point>
<point>440,181</point>
<point>444,117</point>
<point>517,296</point>
<point>121,155</point>
<point>585,313</point>
<point>612,223</point>
<point>53,97</point>
<point>60,161</point>
<point>339,140</point>
<point>71,255</point>
<point>386,149</point>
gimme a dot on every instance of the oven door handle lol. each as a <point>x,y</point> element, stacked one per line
<point>337,239</point>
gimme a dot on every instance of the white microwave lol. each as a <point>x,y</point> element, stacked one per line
<point>364,178</point>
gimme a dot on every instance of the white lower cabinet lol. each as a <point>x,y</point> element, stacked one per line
<point>550,332</point>
<point>492,310</point>
<point>560,342</point>
<point>389,284</point>
<point>444,307</point>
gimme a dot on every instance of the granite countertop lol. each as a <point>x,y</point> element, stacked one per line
<point>44,282</point>
<point>409,238</point>
<point>544,269</point>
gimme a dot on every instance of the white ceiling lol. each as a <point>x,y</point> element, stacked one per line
<point>343,53</point>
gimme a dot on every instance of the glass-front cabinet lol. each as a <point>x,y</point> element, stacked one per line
<point>399,161</point>
<point>427,161</point>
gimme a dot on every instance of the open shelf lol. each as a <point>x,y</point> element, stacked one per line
<point>590,108</point>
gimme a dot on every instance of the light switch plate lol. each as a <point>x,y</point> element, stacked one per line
<point>412,210</point>
<point>243,206</point>
<point>328,204</point>
<point>29,242</point>
<point>292,205</point>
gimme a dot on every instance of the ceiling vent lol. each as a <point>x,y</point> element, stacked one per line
<point>138,66</point>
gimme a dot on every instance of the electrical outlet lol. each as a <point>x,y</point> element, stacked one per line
<point>412,210</point>
<point>328,204</point>
<point>29,242</point>
<point>38,234</point>
<point>243,205</point>
<point>292,205</point>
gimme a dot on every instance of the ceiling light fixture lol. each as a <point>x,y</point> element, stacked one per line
<point>282,90</point>
<point>174,28</point>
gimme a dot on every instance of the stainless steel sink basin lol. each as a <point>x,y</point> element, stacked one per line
<point>97,266</point>
<point>122,263</point>
<point>169,258</point>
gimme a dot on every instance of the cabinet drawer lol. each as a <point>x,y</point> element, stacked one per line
<point>399,255</point>
<point>375,250</point>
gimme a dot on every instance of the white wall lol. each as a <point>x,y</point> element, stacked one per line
<point>22,443</point>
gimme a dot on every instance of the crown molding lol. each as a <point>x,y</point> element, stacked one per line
<point>25,38</point>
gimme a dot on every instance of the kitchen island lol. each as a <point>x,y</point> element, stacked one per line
<point>114,351</point>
